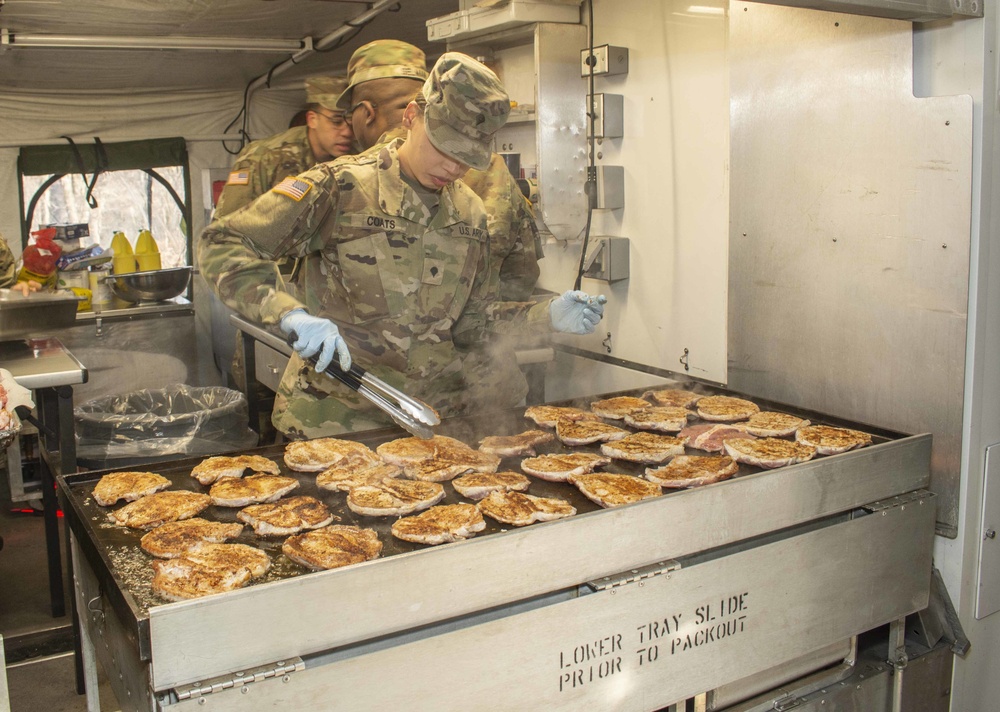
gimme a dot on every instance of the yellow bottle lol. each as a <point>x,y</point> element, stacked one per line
<point>147,254</point>
<point>123,260</point>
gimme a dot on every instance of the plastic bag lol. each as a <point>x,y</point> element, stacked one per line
<point>39,258</point>
<point>162,424</point>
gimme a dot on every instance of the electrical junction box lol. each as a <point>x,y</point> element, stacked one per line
<point>474,20</point>
<point>607,259</point>
<point>608,116</point>
<point>610,187</point>
<point>607,60</point>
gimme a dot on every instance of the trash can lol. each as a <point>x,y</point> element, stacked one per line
<point>147,426</point>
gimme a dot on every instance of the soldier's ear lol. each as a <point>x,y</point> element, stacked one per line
<point>409,114</point>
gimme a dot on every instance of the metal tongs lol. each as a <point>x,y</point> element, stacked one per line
<point>407,412</point>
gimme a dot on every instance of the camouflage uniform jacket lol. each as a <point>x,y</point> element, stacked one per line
<point>262,165</point>
<point>403,274</point>
<point>8,266</point>
<point>515,248</point>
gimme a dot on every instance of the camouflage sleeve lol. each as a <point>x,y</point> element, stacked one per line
<point>8,272</point>
<point>236,252</point>
<point>519,270</point>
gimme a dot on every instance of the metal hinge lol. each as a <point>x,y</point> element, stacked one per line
<point>919,497</point>
<point>633,575</point>
<point>240,680</point>
<point>787,703</point>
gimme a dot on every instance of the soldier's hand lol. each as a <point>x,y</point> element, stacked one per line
<point>576,312</point>
<point>316,335</point>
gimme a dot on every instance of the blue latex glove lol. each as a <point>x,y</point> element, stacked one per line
<point>316,335</point>
<point>576,312</point>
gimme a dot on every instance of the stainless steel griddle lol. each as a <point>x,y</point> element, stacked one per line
<point>413,590</point>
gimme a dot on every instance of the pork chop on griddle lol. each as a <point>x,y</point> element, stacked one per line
<point>693,471</point>
<point>332,547</point>
<point>440,525</point>
<point>674,397</point>
<point>521,510</point>
<point>208,569</point>
<point>514,445</point>
<point>586,432</point>
<point>561,466</point>
<point>611,490</point>
<point>712,438</point>
<point>255,489</point>
<point>286,516</point>
<point>344,478</point>
<point>768,453</point>
<point>616,408</point>
<point>394,497</point>
<point>725,409</point>
<point>829,440</point>
<point>172,539</point>
<point>155,509</point>
<point>128,486</point>
<point>548,415</point>
<point>768,424</point>
<point>664,419</point>
<point>646,448</point>
<point>212,469</point>
<point>321,453</point>
<point>479,484</point>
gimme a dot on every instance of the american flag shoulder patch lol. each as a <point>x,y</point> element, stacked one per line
<point>294,188</point>
<point>239,178</point>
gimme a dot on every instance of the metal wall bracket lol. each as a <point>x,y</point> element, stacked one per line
<point>241,680</point>
<point>919,497</point>
<point>913,10</point>
<point>633,575</point>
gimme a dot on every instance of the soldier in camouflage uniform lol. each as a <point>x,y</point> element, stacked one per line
<point>263,164</point>
<point>395,255</point>
<point>380,85</point>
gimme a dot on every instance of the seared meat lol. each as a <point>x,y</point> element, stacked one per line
<point>332,547</point>
<point>548,415</point>
<point>513,445</point>
<point>409,451</point>
<point>208,569</point>
<point>830,441</point>
<point>585,432</point>
<point>725,409</point>
<point>666,419</point>
<point>321,453</point>
<point>673,397</point>
<point>438,459</point>
<point>173,539</point>
<point>647,448</point>
<point>711,438</point>
<point>236,492</point>
<point>768,424</point>
<point>129,486</point>
<point>155,509</point>
<point>394,497</point>
<point>286,516</point>
<point>523,509</point>
<point>560,467</point>
<point>343,478</point>
<point>693,471</point>
<point>768,452</point>
<point>616,408</point>
<point>440,525</point>
<point>213,469</point>
<point>609,490</point>
<point>478,485</point>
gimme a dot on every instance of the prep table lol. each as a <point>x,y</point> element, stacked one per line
<point>629,608</point>
<point>48,369</point>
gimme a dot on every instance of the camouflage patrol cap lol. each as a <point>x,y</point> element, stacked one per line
<point>325,91</point>
<point>466,105</point>
<point>383,59</point>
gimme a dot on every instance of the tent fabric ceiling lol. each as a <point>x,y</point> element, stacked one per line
<point>45,69</point>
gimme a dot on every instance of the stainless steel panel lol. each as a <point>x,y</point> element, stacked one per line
<point>988,593</point>
<point>850,224</point>
<point>40,313</point>
<point>646,644</point>
<point>41,363</point>
<point>203,638</point>
<point>915,10</point>
<point>269,365</point>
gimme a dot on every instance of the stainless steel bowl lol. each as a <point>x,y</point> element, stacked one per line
<point>153,286</point>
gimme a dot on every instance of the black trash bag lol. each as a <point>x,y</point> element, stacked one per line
<point>163,424</point>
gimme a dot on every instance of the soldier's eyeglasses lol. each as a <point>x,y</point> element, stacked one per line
<point>337,120</point>
<point>350,112</point>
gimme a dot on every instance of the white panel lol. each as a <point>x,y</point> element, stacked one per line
<point>676,157</point>
<point>988,596</point>
<point>849,251</point>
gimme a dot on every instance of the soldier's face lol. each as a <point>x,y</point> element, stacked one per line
<point>421,161</point>
<point>331,134</point>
